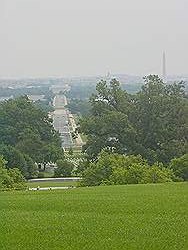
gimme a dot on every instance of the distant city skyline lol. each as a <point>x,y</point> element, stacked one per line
<point>41,38</point>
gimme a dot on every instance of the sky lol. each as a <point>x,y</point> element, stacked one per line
<point>92,37</point>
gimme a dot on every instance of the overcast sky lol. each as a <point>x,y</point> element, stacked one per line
<point>92,37</point>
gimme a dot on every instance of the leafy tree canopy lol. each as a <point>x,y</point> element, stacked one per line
<point>64,168</point>
<point>180,167</point>
<point>113,168</point>
<point>29,130</point>
<point>10,179</point>
<point>152,123</point>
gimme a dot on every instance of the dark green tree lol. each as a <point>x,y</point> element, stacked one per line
<point>153,122</point>
<point>10,179</point>
<point>116,169</point>
<point>109,124</point>
<point>29,129</point>
<point>51,153</point>
<point>16,158</point>
<point>180,167</point>
<point>64,168</point>
<point>160,120</point>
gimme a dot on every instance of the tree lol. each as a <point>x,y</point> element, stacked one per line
<point>79,107</point>
<point>108,125</point>
<point>152,123</point>
<point>18,181</point>
<point>10,179</point>
<point>51,153</point>
<point>64,168</point>
<point>4,178</point>
<point>180,167</point>
<point>116,169</point>
<point>29,130</point>
<point>32,169</point>
<point>157,173</point>
<point>16,158</point>
<point>70,152</point>
<point>160,120</point>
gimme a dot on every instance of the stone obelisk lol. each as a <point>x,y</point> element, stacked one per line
<point>164,68</point>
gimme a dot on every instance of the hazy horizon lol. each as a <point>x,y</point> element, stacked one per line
<point>42,38</point>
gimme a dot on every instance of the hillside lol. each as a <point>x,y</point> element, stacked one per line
<point>114,217</point>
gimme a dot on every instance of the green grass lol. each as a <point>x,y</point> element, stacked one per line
<point>52,184</point>
<point>135,217</point>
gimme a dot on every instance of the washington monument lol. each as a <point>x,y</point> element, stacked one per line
<point>164,68</point>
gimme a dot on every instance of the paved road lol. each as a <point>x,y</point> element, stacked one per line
<point>61,120</point>
<point>48,188</point>
<point>61,179</point>
<point>64,122</point>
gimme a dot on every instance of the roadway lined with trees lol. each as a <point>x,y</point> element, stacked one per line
<point>131,138</point>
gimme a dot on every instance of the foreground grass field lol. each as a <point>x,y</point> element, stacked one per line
<point>116,217</point>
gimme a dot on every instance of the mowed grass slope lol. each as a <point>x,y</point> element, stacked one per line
<point>114,217</point>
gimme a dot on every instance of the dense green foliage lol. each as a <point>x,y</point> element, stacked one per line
<point>64,168</point>
<point>27,135</point>
<point>79,107</point>
<point>132,217</point>
<point>15,157</point>
<point>152,123</point>
<point>122,169</point>
<point>10,179</point>
<point>46,104</point>
<point>180,167</point>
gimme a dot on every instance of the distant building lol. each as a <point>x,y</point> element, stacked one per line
<point>35,98</point>
<point>5,98</point>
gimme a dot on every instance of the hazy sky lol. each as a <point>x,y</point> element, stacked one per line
<point>92,37</point>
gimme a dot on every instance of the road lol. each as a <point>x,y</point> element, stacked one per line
<point>61,120</point>
<point>48,188</point>
<point>61,179</point>
<point>64,122</point>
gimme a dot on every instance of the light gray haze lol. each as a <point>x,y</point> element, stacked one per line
<point>92,37</point>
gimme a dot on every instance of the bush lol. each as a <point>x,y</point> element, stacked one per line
<point>16,158</point>
<point>40,175</point>
<point>10,179</point>
<point>118,169</point>
<point>159,174</point>
<point>134,174</point>
<point>18,181</point>
<point>64,168</point>
<point>180,167</point>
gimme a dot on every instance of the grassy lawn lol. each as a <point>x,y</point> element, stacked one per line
<point>52,184</point>
<point>131,217</point>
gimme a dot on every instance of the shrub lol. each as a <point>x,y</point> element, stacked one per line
<point>18,181</point>
<point>118,169</point>
<point>10,179</point>
<point>180,167</point>
<point>64,168</point>
<point>40,175</point>
<point>159,174</point>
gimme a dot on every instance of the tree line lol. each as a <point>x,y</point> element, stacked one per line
<point>27,136</point>
<point>152,123</point>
